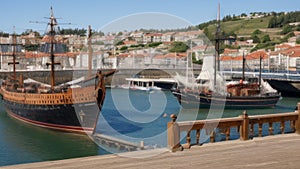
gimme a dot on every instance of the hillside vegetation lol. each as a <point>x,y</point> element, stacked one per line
<point>265,29</point>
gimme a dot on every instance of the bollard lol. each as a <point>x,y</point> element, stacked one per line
<point>142,145</point>
<point>297,127</point>
<point>244,131</point>
<point>173,134</point>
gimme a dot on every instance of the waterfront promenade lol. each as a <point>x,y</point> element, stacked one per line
<point>278,151</point>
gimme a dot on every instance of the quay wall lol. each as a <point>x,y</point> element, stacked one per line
<point>68,75</point>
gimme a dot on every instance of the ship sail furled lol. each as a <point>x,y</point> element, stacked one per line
<point>266,87</point>
<point>206,75</point>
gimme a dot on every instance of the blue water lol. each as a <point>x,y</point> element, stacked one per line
<point>134,116</point>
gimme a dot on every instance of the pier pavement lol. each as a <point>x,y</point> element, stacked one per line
<point>276,152</point>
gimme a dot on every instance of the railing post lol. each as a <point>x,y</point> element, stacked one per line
<point>297,127</point>
<point>244,131</point>
<point>173,134</point>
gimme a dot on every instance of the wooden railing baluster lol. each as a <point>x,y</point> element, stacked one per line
<point>212,136</point>
<point>297,125</point>
<point>292,125</point>
<point>282,125</point>
<point>244,124</point>
<point>188,139</point>
<point>270,128</point>
<point>227,132</point>
<point>198,136</point>
<point>244,132</point>
<point>260,129</point>
<point>252,129</point>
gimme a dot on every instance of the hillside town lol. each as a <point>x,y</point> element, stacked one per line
<point>140,49</point>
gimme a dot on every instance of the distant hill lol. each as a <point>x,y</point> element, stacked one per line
<point>269,28</point>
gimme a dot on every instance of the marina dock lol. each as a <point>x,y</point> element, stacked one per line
<point>119,143</point>
<point>279,151</point>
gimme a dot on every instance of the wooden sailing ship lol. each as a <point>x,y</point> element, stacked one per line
<point>246,93</point>
<point>72,107</point>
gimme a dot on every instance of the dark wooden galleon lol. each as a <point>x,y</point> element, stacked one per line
<point>65,107</point>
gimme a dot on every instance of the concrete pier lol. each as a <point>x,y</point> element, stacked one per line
<point>276,152</point>
<point>115,142</point>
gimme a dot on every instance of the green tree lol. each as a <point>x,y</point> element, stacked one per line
<point>119,43</point>
<point>272,22</point>
<point>208,34</point>
<point>256,39</point>
<point>123,48</point>
<point>3,34</point>
<point>194,60</point>
<point>154,44</point>
<point>286,29</point>
<point>265,38</point>
<point>256,32</point>
<point>298,40</point>
<point>31,47</point>
<point>98,33</point>
<point>98,43</point>
<point>120,34</point>
<point>243,15</point>
<point>178,47</point>
<point>76,31</point>
<point>28,31</point>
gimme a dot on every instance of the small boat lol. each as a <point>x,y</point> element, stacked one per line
<point>143,84</point>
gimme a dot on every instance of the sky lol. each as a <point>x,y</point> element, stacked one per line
<point>119,15</point>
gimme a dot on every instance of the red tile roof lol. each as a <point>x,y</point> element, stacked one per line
<point>42,54</point>
<point>250,56</point>
<point>130,42</point>
<point>291,51</point>
<point>283,46</point>
<point>297,33</point>
<point>170,55</point>
<point>228,51</point>
<point>153,34</point>
<point>257,55</point>
<point>123,55</point>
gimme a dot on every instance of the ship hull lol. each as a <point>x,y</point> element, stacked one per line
<point>79,118</point>
<point>192,100</point>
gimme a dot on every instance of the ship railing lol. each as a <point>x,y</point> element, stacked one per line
<point>184,134</point>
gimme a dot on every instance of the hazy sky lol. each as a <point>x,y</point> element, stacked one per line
<point>128,14</point>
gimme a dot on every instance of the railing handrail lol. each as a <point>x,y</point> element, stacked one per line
<point>267,116</point>
<point>220,120</point>
<point>234,119</point>
<point>244,124</point>
<point>199,124</point>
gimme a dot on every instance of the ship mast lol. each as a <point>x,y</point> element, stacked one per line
<point>244,60</point>
<point>52,24</point>
<point>218,39</point>
<point>14,62</point>
<point>259,82</point>
<point>90,51</point>
<point>217,48</point>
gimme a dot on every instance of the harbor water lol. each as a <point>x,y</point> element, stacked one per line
<point>131,115</point>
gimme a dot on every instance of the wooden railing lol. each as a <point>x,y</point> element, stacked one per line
<point>244,124</point>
